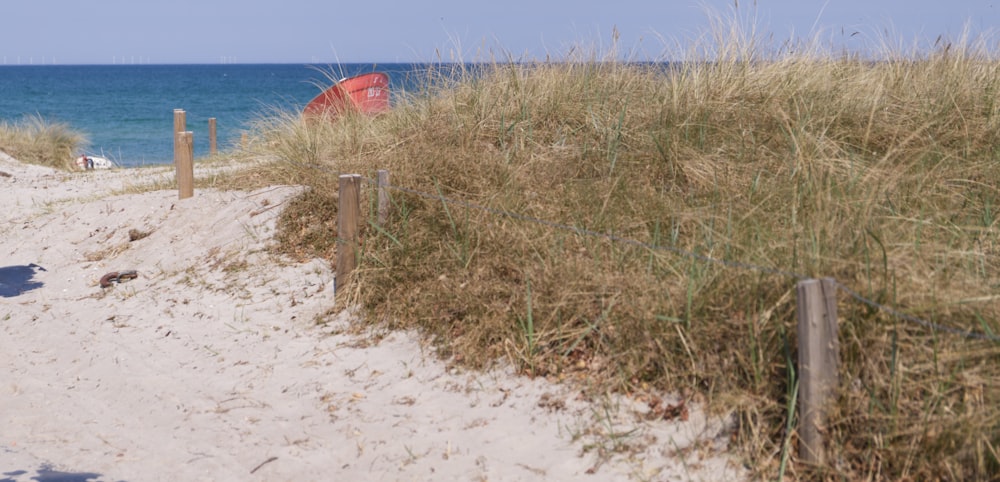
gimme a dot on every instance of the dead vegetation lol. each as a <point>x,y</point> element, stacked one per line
<point>37,140</point>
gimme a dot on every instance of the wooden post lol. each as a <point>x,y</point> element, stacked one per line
<point>382,179</point>
<point>212,145</point>
<point>819,357</point>
<point>348,214</point>
<point>185,164</point>
<point>180,125</point>
<point>244,142</point>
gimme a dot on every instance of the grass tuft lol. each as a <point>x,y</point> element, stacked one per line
<point>36,140</point>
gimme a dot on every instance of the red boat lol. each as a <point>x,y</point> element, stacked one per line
<point>365,93</point>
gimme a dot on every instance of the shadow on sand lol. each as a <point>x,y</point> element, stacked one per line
<point>15,280</point>
<point>46,474</point>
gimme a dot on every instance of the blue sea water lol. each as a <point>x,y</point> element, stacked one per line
<point>127,111</point>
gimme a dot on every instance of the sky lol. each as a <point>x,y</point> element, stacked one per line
<point>332,31</point>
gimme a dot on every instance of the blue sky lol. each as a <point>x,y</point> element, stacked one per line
<point>329,31</point>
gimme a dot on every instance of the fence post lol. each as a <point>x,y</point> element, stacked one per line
<point>184,159</point>
<point>212,145</point>
<point>819,357</point>
<point>348,214</point>
<point>382,179</point>
<point>180,125</point>
<point>180,120</point>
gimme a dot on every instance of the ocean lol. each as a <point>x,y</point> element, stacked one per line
<point>127,111</point>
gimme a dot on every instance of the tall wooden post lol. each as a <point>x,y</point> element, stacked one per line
<point>382,179</point>
<point>212,144</point>
<point>185,164</point>
<point>348,214</point>
<point>819,357</point>
<point>180,125</point>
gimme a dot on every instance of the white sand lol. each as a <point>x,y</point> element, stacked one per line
<point>210,366</point>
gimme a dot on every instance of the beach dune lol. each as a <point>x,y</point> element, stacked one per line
<point>210,363</point>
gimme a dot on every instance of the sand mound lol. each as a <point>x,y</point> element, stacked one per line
<point>209,363</point>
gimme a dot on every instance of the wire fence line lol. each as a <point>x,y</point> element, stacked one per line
<point>913,319</point>
<point>685,253</point>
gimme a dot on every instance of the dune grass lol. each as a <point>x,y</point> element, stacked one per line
<point>717,183</point>
<point>37,140</point>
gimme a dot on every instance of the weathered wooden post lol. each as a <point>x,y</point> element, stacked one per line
<point>382,179</point>
<point>180,125</point>
<point>348,214</point>
<point>184,159</point>
<point>212,144</point>
<point>819,358</point>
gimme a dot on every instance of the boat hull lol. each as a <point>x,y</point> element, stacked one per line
<point>86,162</point>
<point>366,93</point>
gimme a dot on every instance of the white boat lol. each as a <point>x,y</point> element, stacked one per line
<point>86,162</point>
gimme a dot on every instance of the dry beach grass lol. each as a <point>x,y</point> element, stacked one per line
<point>37,140</point>
<point>637,228</point>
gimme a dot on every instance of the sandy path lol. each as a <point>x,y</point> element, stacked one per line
<point>210,366</point>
